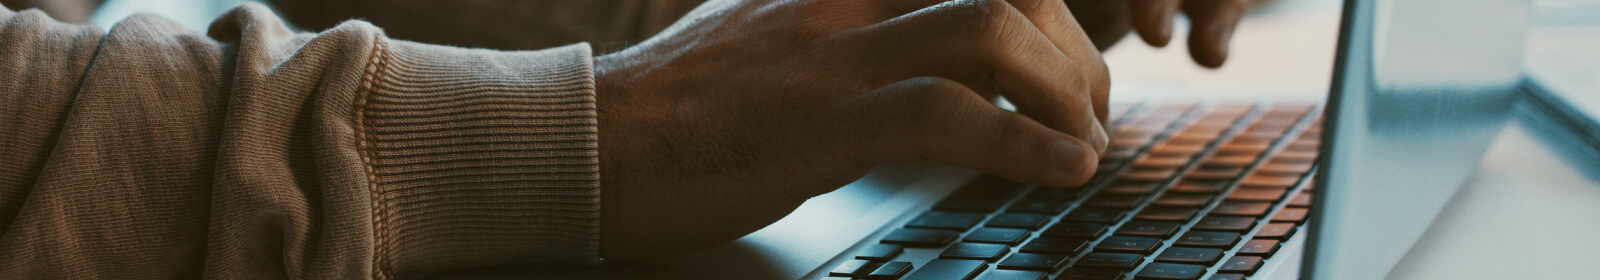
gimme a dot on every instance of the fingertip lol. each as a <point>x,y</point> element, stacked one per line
<point>1074,160</point>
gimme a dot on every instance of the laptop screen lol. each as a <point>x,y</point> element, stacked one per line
<point>1420,89</point>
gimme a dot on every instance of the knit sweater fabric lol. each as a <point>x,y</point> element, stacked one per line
<point>153,152</point>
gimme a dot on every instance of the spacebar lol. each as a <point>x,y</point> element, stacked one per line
<point>944,269</point>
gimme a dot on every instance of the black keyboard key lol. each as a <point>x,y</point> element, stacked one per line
<point>1183,199</point>
<point>1093,215</point>
<point>1290,215</point>
<point>1064,194</point>
<point>1008,236</point>
<point>1131,187</point>
<point>1276,231</point>
<point>947,269</point>
<point>1055,246</point>
<point>960,221</point>
<point>1118,201</point>
<point>1200,186</point>
<point>890,271</point>
<point>1148,228</point>
<point>1256,194</point>
<point>1128,244</point>
<point>1225,223</point>
<point>1302,200</point>
<point>1040,206</point>
<point>984,194</point>
<point>920,238</point>
<point>975,251</point>
<point>1121,262</point>
<point>854,268</point>
<point>1201,256</point>
<point>880,252</point>
<point>1226,276</point>
<point>1089,273</point>
<point>1242,208</point>
<point>1171,214</point>
<point>1018,220</point>
<point>1029,261</point>
<point>1260,247</point>
<point>1213,239</point>
<point>1170,271</point>
<point>1241,264</point>
<point>1077,230</point>
<point>1006,274</point>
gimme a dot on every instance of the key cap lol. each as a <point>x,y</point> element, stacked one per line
<point>1118,201</point>
<point>920,238</point>
<point>1170,271</point>
<point>983,194</point>
<point>1055,246</point>
<point>1226,276</point>
<point>1089,273</point>
<point>1030,261</point>
<point>1009,236</point>
<point>975,251</point>
<point>1241,208</point>
<point>1183,199</point>
<point>1148,229</point>
<point>880,252</point>
<point>1201,256</point>
<point>890,271</point>
<point>1212,239</point>
<point>1006,274</point>
<point>1199,186</point>
<point>1128,244</point>
<point>1018,220</point>
<point>1260,247</point>
<point>1276,231</point>
<point>946,220</point>
<point>1259,180</point>
<point>1093,215</point>
<point>1121,262</point>
<point>1149,173</point>
<point>1172,214</point>
<point>1040,206</point>
<point>1077,230</point>
<point>1290,215</point>
<point>1302,200</point>
<point>1131,187</point>
<point>1256,194</point>
<point>853,268</point>
<point>1246,265</point>
<point>1225,223</point>
<point>1055,193</point>
<point>945,269</point>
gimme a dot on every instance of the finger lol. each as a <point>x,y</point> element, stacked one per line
<point>1053,19</point>
<point>1213,23</point>
<point>927,118</point>
<point>1152,19</point>
<point>989,44</point>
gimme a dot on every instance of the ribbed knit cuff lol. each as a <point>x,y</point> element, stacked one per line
<point>482,157</point>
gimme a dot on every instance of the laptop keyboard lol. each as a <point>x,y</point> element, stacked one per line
<point>1185,191</point>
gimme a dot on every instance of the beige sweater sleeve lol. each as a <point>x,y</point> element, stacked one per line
<point>152,152</point>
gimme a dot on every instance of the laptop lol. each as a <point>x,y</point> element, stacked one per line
<point>1204,189</point>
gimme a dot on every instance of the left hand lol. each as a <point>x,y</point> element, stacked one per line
<point>1211,23</point>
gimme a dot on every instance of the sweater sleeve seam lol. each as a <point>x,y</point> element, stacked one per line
<point>371,80</point>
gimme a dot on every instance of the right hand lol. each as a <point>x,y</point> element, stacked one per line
<point>733,116</point>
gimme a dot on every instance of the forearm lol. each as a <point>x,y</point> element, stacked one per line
<point>152,152</point>
<point>505,25</point>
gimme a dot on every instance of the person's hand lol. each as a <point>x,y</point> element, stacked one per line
<point>1211,23</point>
<point>739,112</point>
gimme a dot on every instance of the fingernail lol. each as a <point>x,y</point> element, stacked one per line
<point>1071,157</point>
<point>1099,138</point>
